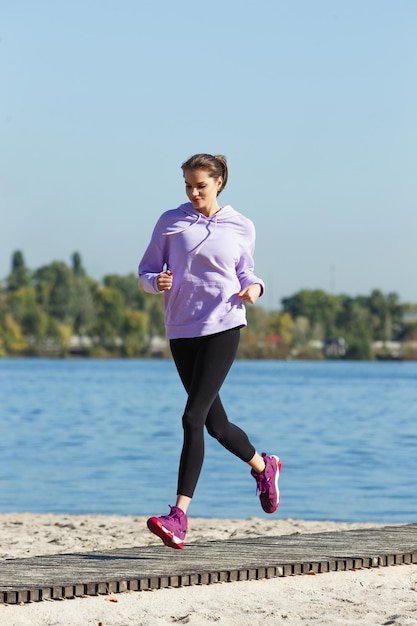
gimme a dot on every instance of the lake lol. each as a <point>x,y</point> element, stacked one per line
<point>104,436</point>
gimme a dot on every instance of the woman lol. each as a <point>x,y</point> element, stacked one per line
<point>200,258</point>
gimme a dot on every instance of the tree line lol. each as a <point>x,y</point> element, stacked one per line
<point>58,309</point>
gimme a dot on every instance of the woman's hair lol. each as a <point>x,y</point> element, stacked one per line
<point>216,166</point>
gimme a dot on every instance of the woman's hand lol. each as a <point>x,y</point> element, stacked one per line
<point>164,281</point>
<point>250,294</point>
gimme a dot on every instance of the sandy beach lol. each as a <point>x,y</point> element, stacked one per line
<point>378,596</point>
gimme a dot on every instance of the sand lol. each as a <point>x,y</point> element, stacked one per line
<point>378,596</point>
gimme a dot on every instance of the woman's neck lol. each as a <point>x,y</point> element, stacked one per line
<point>209,212</point>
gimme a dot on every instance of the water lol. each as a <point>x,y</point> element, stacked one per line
<point>104,436</point>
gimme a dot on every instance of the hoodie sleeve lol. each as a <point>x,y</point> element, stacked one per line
<point>245,265</point>
<point>152,262</point>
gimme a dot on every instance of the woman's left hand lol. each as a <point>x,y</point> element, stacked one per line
<point>250,294</point>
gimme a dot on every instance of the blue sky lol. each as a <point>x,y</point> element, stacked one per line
<point>313,102</point>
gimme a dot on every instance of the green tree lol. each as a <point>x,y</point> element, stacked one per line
<point>77,266</point>
<point>133,297</point>
<point>84,313</point>
<point>19,275</point>
<point>258,320</point>
<point>55,287</point>
<point>59,336</point>
<point>28,314</point>
<point>386,314</point>
<point>155,310</point>
<point>317,306</point>
<point>134,332</point>
<point>357,329</point>
<point>302,330</point>
<point>13,339</point>
<point>110,314</point>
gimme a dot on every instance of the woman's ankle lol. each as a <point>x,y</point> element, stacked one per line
<point>257,463</point>
<point>183,502</point>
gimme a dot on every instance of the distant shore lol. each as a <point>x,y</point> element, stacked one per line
<point>408,356</point>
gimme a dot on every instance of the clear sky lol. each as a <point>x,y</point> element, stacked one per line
<point>313,102</point>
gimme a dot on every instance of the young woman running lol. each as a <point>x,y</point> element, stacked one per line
<point>201,258</point>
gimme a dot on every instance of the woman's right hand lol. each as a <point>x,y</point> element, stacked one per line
<point>164,280</point>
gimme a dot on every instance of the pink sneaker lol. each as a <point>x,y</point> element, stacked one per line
<point>267,483</point>
<point>170,528</point>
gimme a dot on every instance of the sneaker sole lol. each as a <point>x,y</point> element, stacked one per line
<point>279,466</point>
<point>167,536</point>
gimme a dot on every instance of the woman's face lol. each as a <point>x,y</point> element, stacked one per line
<point>202,190</point>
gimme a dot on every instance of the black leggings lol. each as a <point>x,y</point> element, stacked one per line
<point>203,364</point>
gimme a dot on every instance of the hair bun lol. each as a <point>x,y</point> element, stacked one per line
<point>220,158</point>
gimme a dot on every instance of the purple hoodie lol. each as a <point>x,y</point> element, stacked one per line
<point>211,259</point>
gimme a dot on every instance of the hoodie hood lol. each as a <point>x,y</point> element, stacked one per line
<point>187,216</point>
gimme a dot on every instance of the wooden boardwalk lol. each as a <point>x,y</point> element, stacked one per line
<point>155,567</point>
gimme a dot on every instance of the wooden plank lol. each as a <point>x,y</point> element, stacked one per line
<point>156,567</point>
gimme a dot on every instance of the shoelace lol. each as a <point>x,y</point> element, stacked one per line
<point>262,483</point>
<point>173,515</point>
